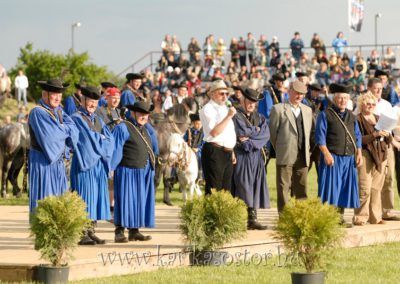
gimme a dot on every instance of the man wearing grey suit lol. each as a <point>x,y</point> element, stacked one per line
<point>290,127</point>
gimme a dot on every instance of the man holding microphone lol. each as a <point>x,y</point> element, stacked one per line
<point>219,137</point>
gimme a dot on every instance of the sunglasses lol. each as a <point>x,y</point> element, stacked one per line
<point>371,104</point>
<point>223,93</point>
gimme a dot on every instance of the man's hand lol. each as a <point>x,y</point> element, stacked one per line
<point>328,158</point>
<point>359,160</point>
<point>231,112</point>
<point>243,138</point>
<point>234,158</point>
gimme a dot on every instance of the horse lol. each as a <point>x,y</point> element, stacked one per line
<point>14,144</point>
<point>185,160</point>
<point>176,120</point>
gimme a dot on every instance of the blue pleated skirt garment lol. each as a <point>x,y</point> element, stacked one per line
<point>45,179</point>
<point>338,185</point>
<point>92,186</point>
<point>134,197</point>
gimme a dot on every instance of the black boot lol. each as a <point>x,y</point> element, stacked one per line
<point>119,235</point>
<point>252,223</point>
<point>91,234</point>
<point>86,240</point>
<point>135,235</point>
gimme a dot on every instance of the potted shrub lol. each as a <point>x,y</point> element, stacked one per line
<point>208,222</point>
<point>57,225</point>
<point>310,230</point>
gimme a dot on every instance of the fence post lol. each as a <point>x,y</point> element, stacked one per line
<point>151,61</point>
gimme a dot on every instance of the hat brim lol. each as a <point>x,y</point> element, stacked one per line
<point>217,89</point>
<point>51,88</point>
<point>259,98</point>
<point>139,109</point>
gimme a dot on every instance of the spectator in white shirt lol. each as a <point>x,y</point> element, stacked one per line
<point>21,85</point>
<point>219,135</point>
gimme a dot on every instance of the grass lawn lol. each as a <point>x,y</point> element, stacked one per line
<point>374,264</point>
<point>176,196</point>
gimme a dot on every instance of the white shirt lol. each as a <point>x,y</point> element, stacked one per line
<point>21,82</point>
<point>167,104</point>
<point>296,110</point>
<point>211,115</point>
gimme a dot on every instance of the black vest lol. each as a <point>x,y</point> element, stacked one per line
<point>300,133</point>
<point>386,93</point>
<point>95,126</point>
<point>34,144</point>
<point>135,151</point>
<point>196,139</point>
<point>337,139</point>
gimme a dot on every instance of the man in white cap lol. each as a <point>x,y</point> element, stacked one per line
<point>219,137</point>
<point>290,128</point>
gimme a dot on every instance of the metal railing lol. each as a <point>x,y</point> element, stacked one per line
<point>150,59</point>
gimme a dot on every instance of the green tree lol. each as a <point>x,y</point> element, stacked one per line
<point>71,68</point>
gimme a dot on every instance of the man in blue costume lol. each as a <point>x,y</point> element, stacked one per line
<point>133,161</point>
<point>194,137</point>
<point>104,87</point>
<point>317,101</point>
<point>339,138</point>
<point>388,92</point>
<point>249,176</point>
<point>111,115</point>
<point>131,94</point>
<point>73,102</point>
<point>91,162</point>
<point>273,94</point>
<point>52,131</point>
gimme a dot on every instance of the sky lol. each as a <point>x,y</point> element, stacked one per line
<point>118,32</point>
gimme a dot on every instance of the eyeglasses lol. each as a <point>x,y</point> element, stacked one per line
<point>371,104</point>
<point>223,93</point>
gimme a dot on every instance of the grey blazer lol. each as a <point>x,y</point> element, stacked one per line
<point>282,125</point>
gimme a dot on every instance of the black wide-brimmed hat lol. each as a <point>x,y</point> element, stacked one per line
<point>106,85</point>
<point>141,106</point>
<point>340,88</point>
<point>278,77</point>
<point>91,92</point>
<point>315,87</point>
<point>183,85</point>
<point>300,74</point>
<point>238,88</point>
<point>194,117</point>
<point>381,73</point>
<point>53,85</point>
<point>79,86</point>
<point>252,95</point>
<point>133,76</point>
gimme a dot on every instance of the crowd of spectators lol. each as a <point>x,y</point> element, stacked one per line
<point>251,61</point>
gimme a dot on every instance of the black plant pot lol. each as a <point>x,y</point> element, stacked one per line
<point>308,278</point>
<point>52,274</point>
<point>211,258</point>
